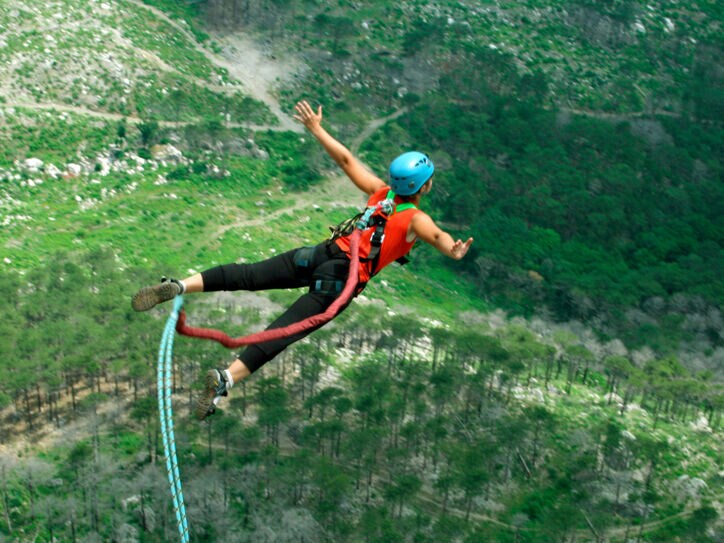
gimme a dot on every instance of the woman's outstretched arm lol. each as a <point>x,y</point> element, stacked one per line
<point>365,180</point>
<point>426,229</point>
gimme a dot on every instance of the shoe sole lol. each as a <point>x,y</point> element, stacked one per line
<point>149,297</point>
<point>205,404</point>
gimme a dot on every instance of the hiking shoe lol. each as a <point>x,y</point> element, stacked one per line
<point>149,297</point>
<point>214,389</point>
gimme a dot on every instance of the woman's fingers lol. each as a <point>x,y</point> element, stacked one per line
<point>460,248</point>
<point>303,115</point>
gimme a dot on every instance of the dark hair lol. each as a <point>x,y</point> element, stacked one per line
<point>409,197</point>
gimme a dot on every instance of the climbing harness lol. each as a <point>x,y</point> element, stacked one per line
<point>165,412</point>
<point>375,216</point>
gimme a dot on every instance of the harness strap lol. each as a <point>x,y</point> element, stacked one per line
<point>380,222</point>
<point>328,287</point>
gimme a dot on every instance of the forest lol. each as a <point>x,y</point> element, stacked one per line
<point>603,219</point>
<point>426,434</point>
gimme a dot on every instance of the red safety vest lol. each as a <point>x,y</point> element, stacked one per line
<point>394,245</point>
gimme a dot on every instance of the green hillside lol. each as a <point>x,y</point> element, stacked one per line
<point>581,144</point>
<point>562,383</point>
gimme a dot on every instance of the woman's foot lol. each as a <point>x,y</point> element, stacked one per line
<point>215,387</point>
<point>149,297</point>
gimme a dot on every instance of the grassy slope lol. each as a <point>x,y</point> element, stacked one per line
<point>619,56</point>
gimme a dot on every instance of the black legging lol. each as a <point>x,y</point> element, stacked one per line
<point>322,262</point>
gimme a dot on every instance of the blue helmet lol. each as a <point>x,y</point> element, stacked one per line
<point>409,171</point>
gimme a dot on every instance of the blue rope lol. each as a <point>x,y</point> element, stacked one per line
<point>165,412</point>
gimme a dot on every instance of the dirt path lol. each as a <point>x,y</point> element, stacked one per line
<point>108,116</point>
<point>257,71</point>
<point>618,116</point>
<point>372,127</point>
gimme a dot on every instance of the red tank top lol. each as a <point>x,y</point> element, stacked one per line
<point>395,244</point>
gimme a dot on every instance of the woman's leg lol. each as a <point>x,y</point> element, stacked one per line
<point>238,370</point>
<point>255,356</point>
<point>195,283</point>
<point>276,272</point>
<point>218,381</point>
<point>328,271</point>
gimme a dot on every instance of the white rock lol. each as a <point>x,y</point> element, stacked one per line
<point>616,347</point>
<point>701,424</point>
<point>33,164</point>
<point>105,166</point>
<point>690,487</point>
<point>52,170</point>
<point>166,152</point>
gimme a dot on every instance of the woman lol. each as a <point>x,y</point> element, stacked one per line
<point>323,268</point>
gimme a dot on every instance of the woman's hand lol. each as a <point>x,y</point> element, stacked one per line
<point>306,115</point>
<point>459,249</point>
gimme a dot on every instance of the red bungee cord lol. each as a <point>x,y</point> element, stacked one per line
<point>292,329</point>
